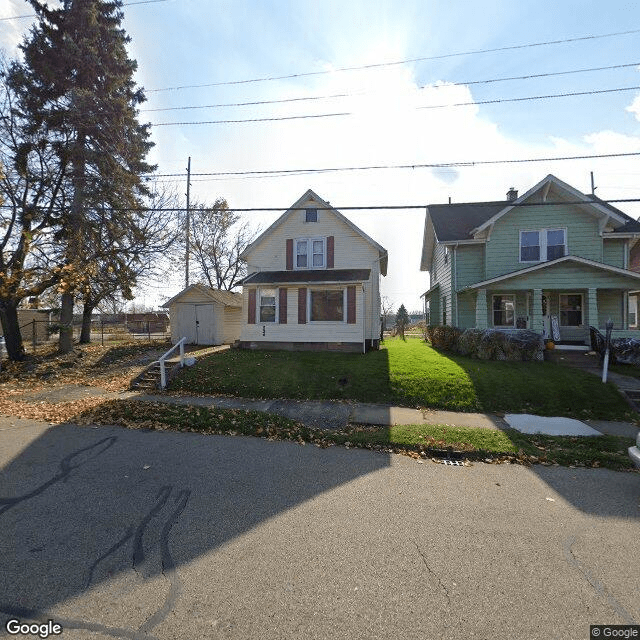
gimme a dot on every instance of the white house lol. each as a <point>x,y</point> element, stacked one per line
<point>205,316</point>
<point>313,282</point>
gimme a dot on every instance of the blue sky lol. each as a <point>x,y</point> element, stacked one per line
<point>187,42</point>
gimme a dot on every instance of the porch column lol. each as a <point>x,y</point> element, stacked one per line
<point>592,307</point>
<point>481,309</point>
<point>536,312</point>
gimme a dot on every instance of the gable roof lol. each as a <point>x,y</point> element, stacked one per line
<point>456,221</point>
<point>296,206</point>
<point>227,298</point>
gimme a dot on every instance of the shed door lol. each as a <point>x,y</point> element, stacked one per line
<point>205,325</point>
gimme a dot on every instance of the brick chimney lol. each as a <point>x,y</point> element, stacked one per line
<point>512,194</point>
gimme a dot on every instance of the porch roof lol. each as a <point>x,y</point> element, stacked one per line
<point>567,271</point>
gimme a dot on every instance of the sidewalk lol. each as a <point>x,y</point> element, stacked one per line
<point>335,414</point>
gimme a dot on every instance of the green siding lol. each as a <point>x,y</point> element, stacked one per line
<point>470,265</point>
<point>467,310</point>
<point>613,252</point>
<point>503,247</point>
<point>568,276</point>
<point>442,271</point>
<point>610,306</point>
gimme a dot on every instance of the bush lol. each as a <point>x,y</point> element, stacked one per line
<point>487,344</point>
<point>442,337</point>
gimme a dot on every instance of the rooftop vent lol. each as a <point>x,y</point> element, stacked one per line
<point>512,194</point>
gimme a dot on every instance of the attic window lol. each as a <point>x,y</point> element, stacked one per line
<point>311,215</point>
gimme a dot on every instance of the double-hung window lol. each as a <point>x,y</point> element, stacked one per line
<point>327,305</point>
<point>504,311</point>
<point>542,245</point>
<point>310,253</point>
<point>267,305</point>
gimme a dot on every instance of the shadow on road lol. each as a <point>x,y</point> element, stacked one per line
<point>82,505</point>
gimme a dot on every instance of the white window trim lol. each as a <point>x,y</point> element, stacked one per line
<point>327,322</point>
<point>309,242</point>
<point>259,305</point>
<point>503,295</point>
<point>571,293</point>
<point>542,239</point>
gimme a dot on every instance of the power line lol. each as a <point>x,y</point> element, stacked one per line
<point>124,4</point>
<point>436,106</point>
<point>528,98</point>
<point>369,91</point>
<point>435,165</point>
<point>386,207</point>
<point>400,62</point>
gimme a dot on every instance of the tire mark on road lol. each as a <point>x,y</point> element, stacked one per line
<point>594,582</point>
<point>66,467</point>
<point>168,565</point>
<point>161,499</point>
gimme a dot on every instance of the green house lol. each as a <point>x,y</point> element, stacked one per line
<point>553,260</point>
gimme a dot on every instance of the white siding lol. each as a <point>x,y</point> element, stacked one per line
<point>232,324</point>
<point>351,251</point>
<point>309,332</point>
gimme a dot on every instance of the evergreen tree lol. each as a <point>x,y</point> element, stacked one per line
<point>402,320</point>
<point>77,82</point>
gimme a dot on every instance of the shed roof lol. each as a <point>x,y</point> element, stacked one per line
<point>227,298</point>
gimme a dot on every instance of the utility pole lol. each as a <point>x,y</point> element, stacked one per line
<point>186,260</point>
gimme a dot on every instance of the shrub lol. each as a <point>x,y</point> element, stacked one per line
<point>487,344</point>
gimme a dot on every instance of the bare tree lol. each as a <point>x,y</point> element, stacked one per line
<point>217,238</point>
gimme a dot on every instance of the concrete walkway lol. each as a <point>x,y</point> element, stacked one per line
<point>333,414</point>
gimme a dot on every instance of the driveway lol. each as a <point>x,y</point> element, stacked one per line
<point>130,534</point>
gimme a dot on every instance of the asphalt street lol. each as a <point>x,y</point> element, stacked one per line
<point>120,533</point>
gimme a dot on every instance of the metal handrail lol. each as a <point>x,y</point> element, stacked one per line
<point>163,375</point>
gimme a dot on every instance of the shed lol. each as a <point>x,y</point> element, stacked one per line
<point>205,316</point>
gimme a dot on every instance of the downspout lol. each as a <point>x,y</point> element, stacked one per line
<point>364,324</point>
<point>455,278</point>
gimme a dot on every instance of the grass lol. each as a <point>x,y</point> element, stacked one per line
<point>417,441</point>
<point>408,373</point>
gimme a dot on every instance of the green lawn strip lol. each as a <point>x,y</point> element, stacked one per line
<point>418,441</point>
<point>407,373</point>
<point>631,370</point>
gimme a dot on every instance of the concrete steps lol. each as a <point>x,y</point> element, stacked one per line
<point>148,380</point>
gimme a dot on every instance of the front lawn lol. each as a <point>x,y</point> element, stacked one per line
<point>408,373</point>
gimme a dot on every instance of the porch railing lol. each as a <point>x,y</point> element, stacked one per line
<point>163,358</point>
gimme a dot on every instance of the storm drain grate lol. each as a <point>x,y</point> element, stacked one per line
<point>452,463</point>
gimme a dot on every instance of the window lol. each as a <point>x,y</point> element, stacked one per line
<point>446,255</point>
<point>267,305</point>
<point>529,246</point>
<point>311,215</point>
<point>555,243</point>
<point>543,245</point>
<point>301,254</point>
<point>444,310</point>
<point>504,311</point>
<point>326,305</point>
<point>310,253</point>
<point>570,309</point>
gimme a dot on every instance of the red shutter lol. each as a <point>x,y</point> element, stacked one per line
<point>289,254</point>
<point>351,305</point>
<point>302,306</point>
<point>282,310</point>
<point>251,319</point>
<point>330,243</point>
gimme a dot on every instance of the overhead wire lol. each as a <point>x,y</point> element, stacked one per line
<point>351,94</point>
<point>124,4</point>
<point>379,65</point>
